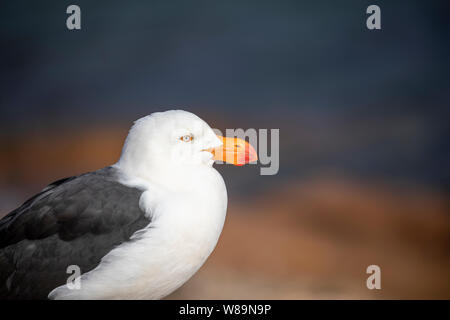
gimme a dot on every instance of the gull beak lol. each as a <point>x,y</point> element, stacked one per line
<point>235,151</point>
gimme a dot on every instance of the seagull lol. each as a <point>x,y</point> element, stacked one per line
<point>138,229</point>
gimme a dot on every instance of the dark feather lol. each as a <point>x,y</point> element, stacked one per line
<point>73,221</point>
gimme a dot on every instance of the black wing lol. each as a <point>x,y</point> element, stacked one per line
<point>74,221</point>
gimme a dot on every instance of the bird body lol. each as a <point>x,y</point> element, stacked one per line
<point>138,229</point>
<point>184,229</point>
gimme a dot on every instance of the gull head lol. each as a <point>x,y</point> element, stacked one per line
<point>177,138</point>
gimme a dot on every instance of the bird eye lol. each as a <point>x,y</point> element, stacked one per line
<point>186,138</point>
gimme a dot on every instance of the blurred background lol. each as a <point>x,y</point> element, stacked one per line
<point>363,116</point>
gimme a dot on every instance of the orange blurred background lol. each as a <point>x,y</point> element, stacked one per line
<point>295,239</point>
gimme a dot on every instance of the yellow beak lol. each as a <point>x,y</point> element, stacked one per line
<point>235,151</point>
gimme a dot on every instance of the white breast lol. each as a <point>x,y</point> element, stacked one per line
<point>184,230</point>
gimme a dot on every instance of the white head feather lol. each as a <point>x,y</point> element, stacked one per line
<point>155,145</point>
